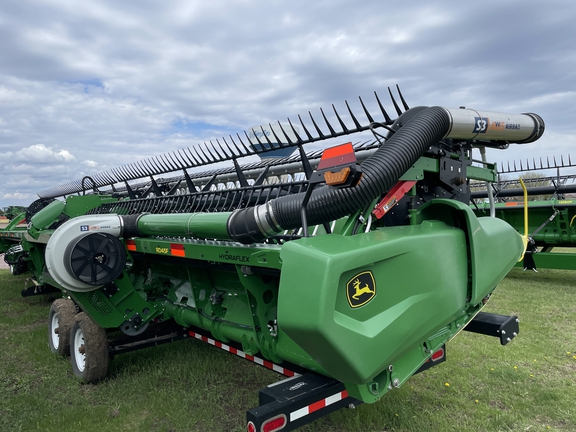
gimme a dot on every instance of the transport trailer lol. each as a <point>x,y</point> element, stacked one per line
<point>347,270</point>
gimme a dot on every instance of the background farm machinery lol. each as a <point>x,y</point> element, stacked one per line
<point>551,210</point>
<point>347,270</point>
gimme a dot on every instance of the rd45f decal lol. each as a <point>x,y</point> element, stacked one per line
<point>361,289</point>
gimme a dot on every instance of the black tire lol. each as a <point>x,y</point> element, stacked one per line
<point>88,349</point>
<point>60,320</point>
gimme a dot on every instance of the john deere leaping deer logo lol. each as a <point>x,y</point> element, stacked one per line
<point>361,289</point>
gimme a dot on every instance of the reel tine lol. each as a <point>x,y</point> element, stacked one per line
<point>116,174</point>
<point>177,163</point>
<point>320,134</point>
<point>168,161</point>
<point>201,160</point>
<point>225,149</point>
<point>396,107</point>
<point>304,127</point>
<point>275,135</point>
<point>356,123</point>
<point>199,147</point>
<point>125,175</point>
<point>406,107</point>
<point>384,113</point>
<point>98,180</point>
<point>152,169</point>
<point>189,156</point>
<point>330,128</point>
<point>257,138</point>
<point>262,148</point>
<point>144,166</point>
<point>344,128</point>
<point>144,169</point>
<point>221,149</point>
<point>109,177</point>
<point>239,154</point>
<point>285,134</point>
<point>298,139</point>
<point>265,135</point>
<point>187,161</point>
<point>160,164</point>
<point>210,152</point>
<point>368,116</point>
<point>128,171</point>
<point>249,150</point>
<point>118,177</point>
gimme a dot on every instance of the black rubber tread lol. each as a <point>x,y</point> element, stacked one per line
<point>66,310</point>
<point>95,347</point>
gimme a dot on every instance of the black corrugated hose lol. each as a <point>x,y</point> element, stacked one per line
<point>380,172</point>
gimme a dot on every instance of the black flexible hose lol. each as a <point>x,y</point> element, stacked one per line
<point>380,172</point>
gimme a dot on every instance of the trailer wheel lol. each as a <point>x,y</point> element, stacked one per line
<point>88,349</point>
<point>60,320</point>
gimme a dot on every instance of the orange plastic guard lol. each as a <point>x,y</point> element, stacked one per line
<point>337,178</point>
<point>392,197</point>
<point>339,155</point>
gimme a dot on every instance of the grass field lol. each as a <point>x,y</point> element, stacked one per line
<point>528,385</point>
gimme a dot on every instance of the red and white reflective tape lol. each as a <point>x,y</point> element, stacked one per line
<point>240,353</point>
<point>295,415</point>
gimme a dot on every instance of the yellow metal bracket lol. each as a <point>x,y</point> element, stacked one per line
<point>525,236</point>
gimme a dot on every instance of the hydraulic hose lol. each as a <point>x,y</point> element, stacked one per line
<point>380,172</point>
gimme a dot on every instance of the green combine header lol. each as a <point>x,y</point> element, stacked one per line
<point>347,270</point>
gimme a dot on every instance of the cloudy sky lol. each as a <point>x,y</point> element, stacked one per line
<point>87,86</point>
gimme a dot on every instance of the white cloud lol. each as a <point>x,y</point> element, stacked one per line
<point>90,163</point>
<point>39,153</point>
<point>16,196</point>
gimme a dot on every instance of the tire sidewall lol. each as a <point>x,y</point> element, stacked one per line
<point>65,311</point>
<point>95,349</point>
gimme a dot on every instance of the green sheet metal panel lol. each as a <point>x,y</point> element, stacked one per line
<point>420,284</point>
